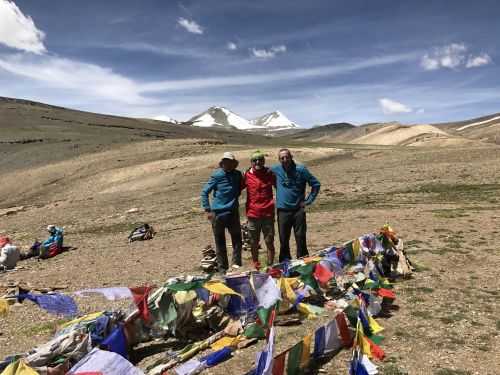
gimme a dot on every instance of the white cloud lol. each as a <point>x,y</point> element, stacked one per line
<point>231,46</point>
<point>81,78</point>
<point>453,56</point>
<point>190,25</point>
<point>19,31</point>
<point>390,107</point>
<point>268,53</point>
<point>482,59</point>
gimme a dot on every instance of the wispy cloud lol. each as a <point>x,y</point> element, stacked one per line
<point>19,31</point>
<point>231,46</point>
<point>390,106</point>
<point>276,76</point>
<point>482,59</point>
<point>268,53</point>
<point>453,56</point>
<point>190,25</point>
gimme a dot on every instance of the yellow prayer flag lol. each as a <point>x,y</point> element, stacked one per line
<point>82,319</point>
<point>306,351</point>
<point>376,328</point>
<point>312,259</point>
<point>19,368</point>
<point>4,306</point>
<point>305,309</point>
<point>219,287</point>
<point>365,347</point>
<point>356,246</point>
<point>226,341</point>
<point>184,296</point>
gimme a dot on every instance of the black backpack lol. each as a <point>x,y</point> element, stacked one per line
<point>142,233</point>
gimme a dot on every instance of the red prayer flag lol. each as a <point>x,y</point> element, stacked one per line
<point>322,274</point>
<point>345,334</point>
<point>376,350</point>
<point>140,295</point>
<point>279,364</point>
<point>382,292</point>
<point>275,273</point>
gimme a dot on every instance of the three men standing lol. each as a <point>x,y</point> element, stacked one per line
<point>290,181</point>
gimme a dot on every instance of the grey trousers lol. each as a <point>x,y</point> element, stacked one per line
<point>288,219</point>
<point>231,222</point>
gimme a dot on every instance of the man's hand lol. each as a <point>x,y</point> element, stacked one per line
<point>302,204</point>
<point>210,216</point>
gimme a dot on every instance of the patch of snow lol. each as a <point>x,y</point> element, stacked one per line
<point>274,121</point>
<point>477,123</point>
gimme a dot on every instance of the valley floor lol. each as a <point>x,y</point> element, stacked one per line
<point>443,202</point>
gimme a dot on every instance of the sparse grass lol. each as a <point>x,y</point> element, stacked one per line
<point>450,213</point>
<point>498,325</point>
<point>43,328</point>
<point>392,369</point>
<point>421,314</point>
<point>453,318</point>
<point>449,371</point>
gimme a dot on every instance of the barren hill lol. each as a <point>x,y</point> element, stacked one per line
<point>486,128</point>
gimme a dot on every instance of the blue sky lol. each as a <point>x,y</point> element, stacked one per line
<point>316,61</point>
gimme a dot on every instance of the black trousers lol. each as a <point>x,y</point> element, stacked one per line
<point>231,222</point>
<point>296,219</point>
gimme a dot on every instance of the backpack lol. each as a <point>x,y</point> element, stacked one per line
<point>141,233</point>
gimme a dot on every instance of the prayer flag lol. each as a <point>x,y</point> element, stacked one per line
<point>111,294</point>
<point>375,350</point>
<point>219,287</point>
<point>369,366</point>
<point>241,305</point>
<point>332,339</point>
<point>19,368</point>
<point>56,303</point>
<point>279,364</point>
<point>265,357</point>
<point>193,366</point>
<point>140,295</point>
<point>345,334</point>
<point>319,342</point>
<point>306,351</point>
<point>254,330</point>
<point>116,342</point>
<point>322,274</point>
<point>374,326</point>
<point>101,362</point>
<point>386,293</point>
<point>217,357</point>
<point>294,357</point>
<point>268,293</point>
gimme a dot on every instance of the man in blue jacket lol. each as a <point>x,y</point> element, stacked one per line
<point>291,180</point>
<point>223,212</point>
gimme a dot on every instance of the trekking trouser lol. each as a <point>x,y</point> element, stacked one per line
<point>231,221</point>
<point>296,219</point>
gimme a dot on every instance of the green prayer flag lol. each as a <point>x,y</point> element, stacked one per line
<point>294,357</point>
<point>306,275</point>
<point>264,315</point>
<point>182,287</point>
<point>254,331</point>
<point>377,339</point>
<point>352,315</point>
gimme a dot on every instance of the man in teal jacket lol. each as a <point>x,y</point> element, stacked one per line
<point>223,212</point>
<point>291,180</point>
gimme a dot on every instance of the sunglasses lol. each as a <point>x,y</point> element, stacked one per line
<point>258,159</point>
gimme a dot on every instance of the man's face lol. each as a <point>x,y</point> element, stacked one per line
<point>285,158</point>
<point>228,164</point>
<point>258,163</point>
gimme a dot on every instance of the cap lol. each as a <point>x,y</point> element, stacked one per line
<point>228,155</point>
<point>257,155</point>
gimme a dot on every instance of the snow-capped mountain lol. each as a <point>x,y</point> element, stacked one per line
<point>220,116</point>
<point>223,117</point>
<point>274,121</point>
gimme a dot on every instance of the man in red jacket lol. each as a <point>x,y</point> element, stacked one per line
<point>259,182</point>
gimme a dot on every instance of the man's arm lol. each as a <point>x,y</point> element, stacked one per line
<point>209,186</point>
<point>315,186</point>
